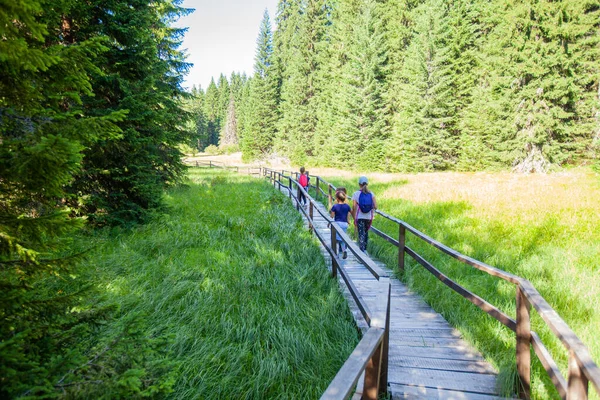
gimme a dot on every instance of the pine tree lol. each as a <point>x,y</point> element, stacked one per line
<point>261,107</point>
<point>532,84</point>
<point>242,110</point>
<point>329,55</point>
<point>302,29</point>
<point>425,135</point>
<point>229,136</point>
<point>224,96</point>
<point>198,124</point>
<point>212,112</point>
<point>140,73</point>
<point>44,128</point>
<point>236,86</point>
<point>365,125</point>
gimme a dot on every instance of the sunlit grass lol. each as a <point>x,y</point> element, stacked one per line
<point>541,227</point>
<point>227,296</point>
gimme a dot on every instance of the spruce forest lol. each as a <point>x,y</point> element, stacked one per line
<point>90,118</point>
<point>415,85</point>
<point>123,273</point>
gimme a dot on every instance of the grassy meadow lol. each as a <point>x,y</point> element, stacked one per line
<point>541,227</point>
<point>224,295</point>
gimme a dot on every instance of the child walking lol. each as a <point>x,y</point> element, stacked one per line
<point>340,212</point>
<point>363,211</point>
<point>303,181</point>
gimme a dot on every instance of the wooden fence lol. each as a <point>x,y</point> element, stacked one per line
<point>215,164</point>
<point>370,355</point>
<point>582,368</point>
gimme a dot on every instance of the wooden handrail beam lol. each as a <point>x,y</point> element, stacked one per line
<point>549,365</point>
<point>473,298</point>
<point>560,328</point>
<point>343,384</point>
<point>455,254</point>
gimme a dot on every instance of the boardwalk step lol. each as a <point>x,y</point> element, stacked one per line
<point>426,341</point>
<point>441,364</point>
<point>448,380</point>
<point>428,393</point>
<point>464,353</point>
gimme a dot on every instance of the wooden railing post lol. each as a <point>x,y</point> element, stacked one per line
<point>333,239</point>
<point>297,198</point>
<point>577,388</point>
<point>317,193</point>
<point>372,375</point>
<point>334,264</point>
<point>523,333</point>
<point>330,198</point>
<point>290,185</point>
<point>401,246</point>
<point>383,378</point>
<point>310,217</point>
<point>334,267</point>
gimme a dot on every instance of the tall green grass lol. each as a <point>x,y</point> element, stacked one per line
<point>552,244</point>
<point>226,295</point>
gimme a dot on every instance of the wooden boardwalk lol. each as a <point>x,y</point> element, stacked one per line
<point>427,357</point>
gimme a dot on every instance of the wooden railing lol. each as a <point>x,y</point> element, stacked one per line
<point>370,357</point>
<point>215,164</point>
<point>371,353</point>
<point>581,370</point>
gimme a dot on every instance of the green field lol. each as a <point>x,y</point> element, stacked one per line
<point>541,227</point>
<point>225,295</point>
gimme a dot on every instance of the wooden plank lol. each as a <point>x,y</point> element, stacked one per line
<point>428,393</point>
<point>404,304</point>
<point>416,314</point>
<point>449,380</point>
<point>451,353</point>
<point>416,324</point>
<point>370,289</point>
<point>432,332</point>
<point>480,367</point>
<point>422,341</point>
<point>362,277</point>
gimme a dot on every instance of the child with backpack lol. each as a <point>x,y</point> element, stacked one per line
<point>363,211</point>
<point>303,181</point>
<point>339,212</point>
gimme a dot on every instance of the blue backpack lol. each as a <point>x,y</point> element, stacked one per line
<point>365,202</point>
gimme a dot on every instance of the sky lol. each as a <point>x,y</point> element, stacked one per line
<point>222,37</point>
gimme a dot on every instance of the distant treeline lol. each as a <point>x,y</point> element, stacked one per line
<point>416,85</point>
